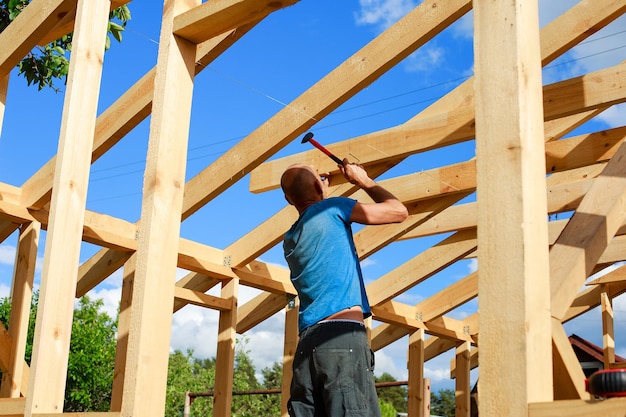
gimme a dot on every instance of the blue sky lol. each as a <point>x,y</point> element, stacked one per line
<point>268,68</point>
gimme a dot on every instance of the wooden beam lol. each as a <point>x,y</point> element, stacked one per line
<point>608,328</point>
<point>225,356</point>
<point>289,352</point>
<point>415,390</point>
<point>403,315</point>
<point>612,407</point>
<point>462,395</point>
<point>569,379</point>
<point>4,88</point>
<point>123,330</point>
<point>421,267</point>
<point>513,249</point>
<point>216,17</point>
<point>66,24</point>
<point>46,388</point>
<point>588,233</point>
<point>159,228</point>
<point>14,379</point>
<point>201,299</point>
<point>28,27</point>
<point>449,298</point>
<point>259,309</point>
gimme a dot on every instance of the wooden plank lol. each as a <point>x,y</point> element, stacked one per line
<point>13,406</point>
<point>415,390</point>
<point>403,315</point>
<point>583,150</point>
<point>14,380</point>
<point>605,86</point>
<point>214,18</point>
<point>266,277</point>
<point>7,228</point>
<point>588,233</point>
<point>510,155</point>
<point>159,227</point>
<point>383,335</point>
<point>103,263</point>
<point>28,27</point>
<point>46,388</point>
<point>569,379</point>
<point>612,407</point>
<point>259,309</point>
<point>462,395</point>
<point>194,281</point>
<point>449,298</point>
<point>200,299</point>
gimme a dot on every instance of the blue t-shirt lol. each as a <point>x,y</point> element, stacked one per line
<point>324,265</point>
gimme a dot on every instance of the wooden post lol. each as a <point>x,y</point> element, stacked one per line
<point>608,327</point>
<point>425,410</point>
<point>4,88</point>
<point>463,388</point>
<point>123,329</point>
<point>291,343</point>
<point>225,357</point>
<point>53,327</point>
<point>516,363</point>
<point>416,400</point>
<point>14,380</point>
<point>145,379</point>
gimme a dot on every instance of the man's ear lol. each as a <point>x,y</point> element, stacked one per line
<point>287,198</point>
<point>319,189</point>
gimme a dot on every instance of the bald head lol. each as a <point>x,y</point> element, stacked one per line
<point>301,185</point>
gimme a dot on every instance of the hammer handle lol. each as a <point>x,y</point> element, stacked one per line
<point>326,151</point>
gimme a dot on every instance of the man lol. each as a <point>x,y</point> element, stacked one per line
<point>333,368</point>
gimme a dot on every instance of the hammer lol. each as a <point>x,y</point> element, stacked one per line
<point>309,138</point>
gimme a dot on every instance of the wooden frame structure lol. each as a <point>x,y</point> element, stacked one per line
<point>533,269</point>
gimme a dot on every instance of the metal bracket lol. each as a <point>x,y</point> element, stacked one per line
<point>227,261</point>
<point>466,330</point>
<point>419,316</point>
<point>291,302</point>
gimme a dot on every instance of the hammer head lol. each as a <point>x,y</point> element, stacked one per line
<point>307,137</point>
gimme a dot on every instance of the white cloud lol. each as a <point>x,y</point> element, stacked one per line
<point>426,58</point>
<point>472,265</point>
<point>383,13</point>
<point>5,291</point>
<point>7,254</point>
<point>615,116</point>
<point>110,298</point>
<point>551,9</point>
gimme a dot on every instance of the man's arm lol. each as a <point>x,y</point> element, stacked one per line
<point>386,207</point>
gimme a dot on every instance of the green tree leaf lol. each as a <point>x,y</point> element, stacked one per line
<point>44,66</point>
